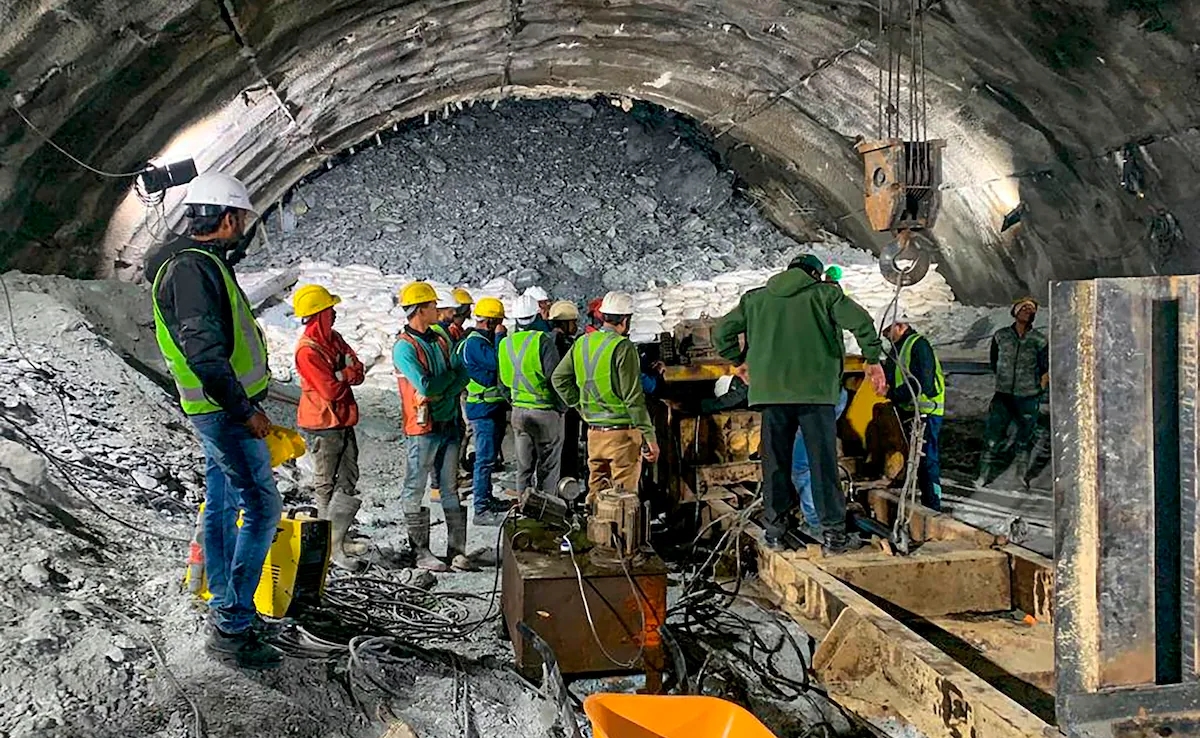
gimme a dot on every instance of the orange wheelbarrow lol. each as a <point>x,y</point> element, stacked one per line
<point>669,716</point>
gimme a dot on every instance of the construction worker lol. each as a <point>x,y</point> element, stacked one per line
<point>215,351</point>
<point>1020,359</point>
<point>917,386</point>
<point>486,406</point>
<point>792,362</point>
<point>429,378</point>
<point>527,360</point>
<point>458,326</point>
<point>564,319</point>
<point>601,377</point>
<point>542,322</point>
<point>327,414</point>
<point>447,307</point>
<point>595,321</point>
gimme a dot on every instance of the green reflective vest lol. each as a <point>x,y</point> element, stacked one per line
<point>249,357</point>
<point>476,392</point>
<point>592,356</point>
<point>928,404</point>
<point>521,370</point>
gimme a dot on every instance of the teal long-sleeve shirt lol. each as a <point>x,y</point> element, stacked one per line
<point>441,383</point>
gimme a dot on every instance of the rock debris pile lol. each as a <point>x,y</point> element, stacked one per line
<point>577,196</point>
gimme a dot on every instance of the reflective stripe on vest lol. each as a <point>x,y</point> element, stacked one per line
<point>521,370</point>
<point>928,404</point>
<point>479,393</point>
<point>249,357</point>
<point>593,360</point>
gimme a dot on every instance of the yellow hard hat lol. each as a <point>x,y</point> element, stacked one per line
<point>284,444</point>
<point>415,293</point>
<point>489,307</point>
<point>311,299</point>
<point>463,297</point>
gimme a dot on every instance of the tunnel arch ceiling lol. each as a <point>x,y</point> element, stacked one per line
<point>1036,99</point>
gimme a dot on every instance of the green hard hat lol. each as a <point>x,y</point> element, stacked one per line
<point>834,272</point>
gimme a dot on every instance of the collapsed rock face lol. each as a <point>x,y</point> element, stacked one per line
<point>1037,101</point>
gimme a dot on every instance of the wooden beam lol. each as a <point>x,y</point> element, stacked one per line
<point>1032,582</point>
<point>930,583</point>
<point>928,525</point>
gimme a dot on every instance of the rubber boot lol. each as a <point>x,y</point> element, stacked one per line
<point>418,538</point>
<point>982,480</point>
<point>342,509</point>
<point>1021,464</point>
<point>456,540</point>
<point>323,504</point>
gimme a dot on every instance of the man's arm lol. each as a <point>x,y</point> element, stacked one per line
<point>628,370</point>
<point>192,300</point>
<point>563,379</point>
<point>548,354</point>
<point>994,354</point>
<point>851,316</point>
<point>319,375</point>
<point>1043,363</point>
<point>726,333</point>
<point>404,358</point>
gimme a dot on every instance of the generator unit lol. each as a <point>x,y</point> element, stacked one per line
<point>295,569</point>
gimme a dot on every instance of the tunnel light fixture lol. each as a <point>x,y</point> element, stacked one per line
<point>1014,216</point>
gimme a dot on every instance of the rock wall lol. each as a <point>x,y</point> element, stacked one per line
<point>1037,100</point>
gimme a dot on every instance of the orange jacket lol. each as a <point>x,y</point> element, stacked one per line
<point>414,407</point>
<point>328,369</point>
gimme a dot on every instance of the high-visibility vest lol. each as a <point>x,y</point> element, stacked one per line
<point>592,356</point>
<point>249,357</point>
<point>479,393</point>
<point>521,370</point>
<point>412,401</point>
<point>928,404</point>
<point>314,412</point>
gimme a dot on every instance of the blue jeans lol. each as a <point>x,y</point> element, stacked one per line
<point>489,434</point>
<point>238,476</point>
<point>802,477</point>
<point>432,453</point>
<point>929,473</point>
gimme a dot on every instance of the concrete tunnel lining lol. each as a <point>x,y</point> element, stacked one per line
<point>794,82</point>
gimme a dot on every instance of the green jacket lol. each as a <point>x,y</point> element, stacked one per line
<point>794,348</point>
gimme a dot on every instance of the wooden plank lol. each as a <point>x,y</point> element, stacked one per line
<point>931,584</point>
<point>1032,582</point>
<point>928,525</point>
<point>870,659</point>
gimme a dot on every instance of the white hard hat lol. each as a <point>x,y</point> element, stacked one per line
<point>723,385</point>
<point>445,299</point>
<point>537,293</point>
<point>220,189</point>
<point>890,317</point>
<point>617,303</point>
<point>526,307</point>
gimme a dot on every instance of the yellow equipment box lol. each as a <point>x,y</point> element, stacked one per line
<point>295,569</point>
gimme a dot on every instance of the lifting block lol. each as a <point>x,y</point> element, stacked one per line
<point>901,183</point>
<point>1125,382</point>
<point>929,583</point>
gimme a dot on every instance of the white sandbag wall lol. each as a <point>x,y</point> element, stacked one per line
<point>369,318</point>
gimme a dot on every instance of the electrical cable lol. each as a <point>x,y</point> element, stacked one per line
<point>587,611</point>
<point>69,155</point>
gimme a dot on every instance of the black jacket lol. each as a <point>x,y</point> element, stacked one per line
<point>920,365</point>
<point>195,308</point>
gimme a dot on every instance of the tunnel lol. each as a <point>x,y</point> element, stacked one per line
<point>1041,104</point>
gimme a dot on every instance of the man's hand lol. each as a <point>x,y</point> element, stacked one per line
<point>878,380</point>
<point>259,425</point>
<point>1045,381</point>
<point>742,372</point>
<point>658,368</point>
<point>650,452</point>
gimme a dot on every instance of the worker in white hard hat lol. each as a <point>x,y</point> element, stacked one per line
<point>917,387</point>
<point>218,358</point>
<point>601,377</point>
<point>447,307</point>
<point>527,360</point>
<point>542,322</point>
